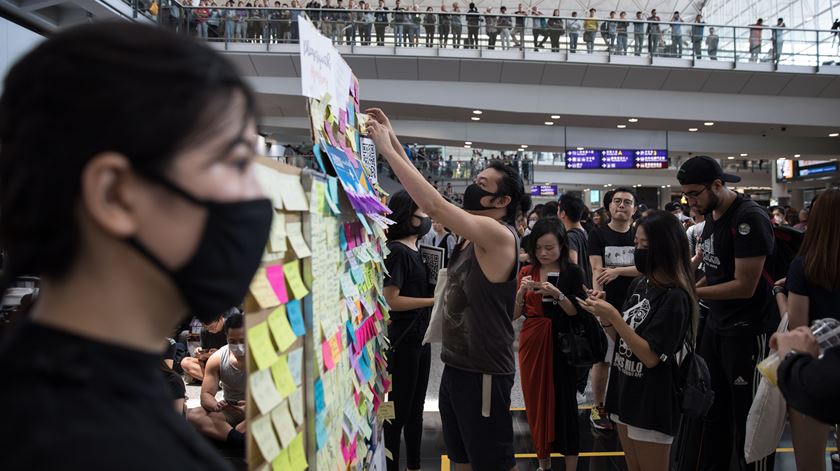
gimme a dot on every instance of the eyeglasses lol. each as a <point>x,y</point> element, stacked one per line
<point>619,201</point>
<point>696,194</point>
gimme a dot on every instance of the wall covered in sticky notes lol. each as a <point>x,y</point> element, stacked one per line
<point>315,326</point>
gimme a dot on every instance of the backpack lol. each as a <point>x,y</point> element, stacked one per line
<point>692,381</point>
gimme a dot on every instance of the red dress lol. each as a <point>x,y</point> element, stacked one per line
<point>536,366</point>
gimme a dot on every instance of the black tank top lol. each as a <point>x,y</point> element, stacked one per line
<point>477,316</point>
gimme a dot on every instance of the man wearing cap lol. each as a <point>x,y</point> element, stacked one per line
<point>736,241</point>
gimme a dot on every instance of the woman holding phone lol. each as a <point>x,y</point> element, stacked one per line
<point>652,329</point>
<point>548,384</point>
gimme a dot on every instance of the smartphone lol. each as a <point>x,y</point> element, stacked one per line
<point>553,278</point>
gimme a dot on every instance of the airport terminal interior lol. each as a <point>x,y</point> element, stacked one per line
<point>361,340</point>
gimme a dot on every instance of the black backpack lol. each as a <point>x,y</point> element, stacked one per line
<point>693,382</point>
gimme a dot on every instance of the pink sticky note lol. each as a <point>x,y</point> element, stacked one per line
<point>277,280</point>
<point>327,353</point>
<point>328,128</point>
<point>342,121</point>
<point>356,397</point>
<point>378,313</point>
<point>338,342</point>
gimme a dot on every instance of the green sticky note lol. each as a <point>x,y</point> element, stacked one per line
<point>261,347</point>
<point>297,454</point>
<point>281,329</point>
<point>282,462</point>
<point>283,377</point>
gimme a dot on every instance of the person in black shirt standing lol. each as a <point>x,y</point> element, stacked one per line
<point>736,242</point>
<point>150,210</point>
<point>611,256</point>
<point>408,293</point>
<point>642,395</point>
<point>381,22</point>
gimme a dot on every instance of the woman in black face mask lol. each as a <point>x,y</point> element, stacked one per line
<point>659,317</point>
<point>148,211</point>
<point>409,295</point>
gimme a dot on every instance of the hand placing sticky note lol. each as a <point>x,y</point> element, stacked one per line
<point>264,436</point>
<point>281,329</point>
<point>293,309</point>
<point>277,280</point>
<point>292,270</point>
<point>283,377</point>
<point>261,347</point>
<point>282,420</point>
<point>264,391</point>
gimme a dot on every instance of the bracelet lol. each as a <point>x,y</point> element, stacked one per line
<point>606,326</point>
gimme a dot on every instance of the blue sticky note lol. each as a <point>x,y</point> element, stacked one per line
<point>363,220</point>
<point>295,317</point>
<point>351,333</point>
<point>319,396</point>
<point>307,304</point>
<point>351,115</point>
<point>342,239</point>
<point>316,149</point>
<point>320,429</point>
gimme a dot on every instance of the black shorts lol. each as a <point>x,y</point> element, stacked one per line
<point>484,442</point>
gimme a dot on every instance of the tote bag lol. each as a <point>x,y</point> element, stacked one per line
<point>434,333</point>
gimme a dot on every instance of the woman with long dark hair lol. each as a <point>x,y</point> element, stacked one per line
<point>659,317</point>
<point>148,211</point>
<point>547,289</point>
<point>409,295</point>
<point>813,285</point>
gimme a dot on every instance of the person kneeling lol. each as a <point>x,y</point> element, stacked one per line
<point>224,420</point>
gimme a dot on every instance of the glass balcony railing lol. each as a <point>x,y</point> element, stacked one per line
<point>491,29</point>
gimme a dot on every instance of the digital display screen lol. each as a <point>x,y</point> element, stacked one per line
<point>784,169</point>
<point>617,159</point>
<point>543,190</point>
<point>583,159</point>
<point>820,169</point>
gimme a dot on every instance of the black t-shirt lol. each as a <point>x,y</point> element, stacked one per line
<point>743,231</point>
<point>810,385</point>
<point>616,250</point>
<point>219,339</point>
<point>579,242</point>
<point>78,403</point>
<point>822,302</point>
<point>641,396</point>
<point>408,272</point>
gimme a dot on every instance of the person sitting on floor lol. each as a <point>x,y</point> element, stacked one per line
<point>224,420</point>
<point>212,338</point>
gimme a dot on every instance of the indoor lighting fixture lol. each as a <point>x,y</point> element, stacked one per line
<point>744,155</point>
<point>524,146</point>
<point>731,157</point>
<point>469,143</point>
<point>834,134</point>
<point>549,123</point>
<point>708,123</point>
<point>580,148</point>
<point>621,126</point>
<point>797,156</point>
<point>633,120</point>
<point>663,186</point>
<point>555,116</point>
<point>477,111</point>
<point>467,146</point>
<point>692,129</point>
<point>475,118</point>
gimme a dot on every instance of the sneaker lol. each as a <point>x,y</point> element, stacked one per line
<point>835,462</point>
<point>600,420</point>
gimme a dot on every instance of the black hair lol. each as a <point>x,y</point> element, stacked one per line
<point>136,90</point>
<point>402,211</point>
<point>668,256</point>
<point>550,209</point>
<point>606,201</point>
<point>622,189</point>
<point>572,206</point>
<point>511,185</point>
<point>548,225</point>
<point>234,321</point>
<point>537,209</point>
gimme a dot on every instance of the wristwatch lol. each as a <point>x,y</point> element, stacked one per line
<point>560,299</point>
<point>779,289</point>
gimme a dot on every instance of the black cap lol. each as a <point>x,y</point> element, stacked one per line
<point>671,206</point>
<point>703,169</point>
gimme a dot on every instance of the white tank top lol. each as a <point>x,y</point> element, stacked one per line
<point>233,379</point>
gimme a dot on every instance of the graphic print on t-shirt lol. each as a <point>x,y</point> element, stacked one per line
<point>634,316</point>
<point>710,259</point>
<point>618,256</point>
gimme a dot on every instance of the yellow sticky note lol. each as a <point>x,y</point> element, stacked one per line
<point>283,379</point>
<point>294,198</point>
<point>335,349</point>
<point>292,272</point>
<point>281,463</point>
<point>351,137</point>
<point>281,329</point>
<point>264,436</point>
<point>297,453</point>
<point>264,391</point>
<point>262,291</point>
<point>294,231</point>
<point>261,347</point>
<point>277,240</point>
<point>283,424</point>
<point>386,411</point>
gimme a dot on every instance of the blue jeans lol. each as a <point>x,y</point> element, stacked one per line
<point>229,30</point>
<point>398,34</point>
<point>573,40</point>
<point>622,44</point>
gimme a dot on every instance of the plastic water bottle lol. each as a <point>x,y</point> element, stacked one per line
<point>827,333</point>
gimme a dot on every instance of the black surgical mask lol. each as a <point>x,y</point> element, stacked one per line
<point>425,226</point>
<point>218,274</point>
<point>472,198</point>
<point>640,259</point>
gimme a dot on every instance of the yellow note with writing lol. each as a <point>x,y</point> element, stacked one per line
<point>283,424</point>
<point>296,405</point>
<point>263,391</point>
<point>262,291</point>
<point>292,272</point>
<point>264,436</point>
<point>297,454</point>
<point>282,463</point>
<point>262,349</point>
<point>277,240</point>
<point>294,230</point>
<point>281,329</point>
<point>283,377</point>
<point>386,411</point>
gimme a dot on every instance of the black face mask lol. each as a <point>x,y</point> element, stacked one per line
<point>640,259</point>
<point>425,226</point>
<point>218,274</point>
<point>472,198</point>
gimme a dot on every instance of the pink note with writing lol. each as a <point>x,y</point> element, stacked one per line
<point>329,364</point>
<point>277,280</point>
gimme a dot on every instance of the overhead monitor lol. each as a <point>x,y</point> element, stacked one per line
<point>543,190</point>
<point>618,159</point>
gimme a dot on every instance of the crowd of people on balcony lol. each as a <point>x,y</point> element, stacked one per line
<point>352,23</point>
